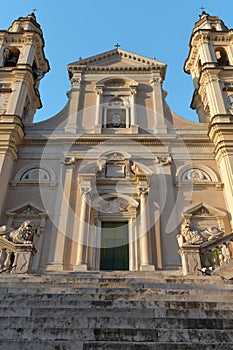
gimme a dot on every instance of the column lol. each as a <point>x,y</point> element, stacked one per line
<point>81,263</point>
<point>133,256</point>
<point>144,239</point>
<point>61,219</point>
<point>98,121</point>
<point>156,83</point>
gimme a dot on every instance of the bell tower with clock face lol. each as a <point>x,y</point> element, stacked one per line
<point>210,62</point>
<point>22,65</point>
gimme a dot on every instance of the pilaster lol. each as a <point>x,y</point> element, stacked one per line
<point>61,219</point>
<point>221,134</point>
<point>74,97</point>
<point>156,83</point>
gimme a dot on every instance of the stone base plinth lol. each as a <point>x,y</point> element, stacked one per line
<point>55,267</point>
<point>147,268</point>
<point>81,267</point>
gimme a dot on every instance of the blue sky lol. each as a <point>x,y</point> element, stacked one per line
<point>151,28</point>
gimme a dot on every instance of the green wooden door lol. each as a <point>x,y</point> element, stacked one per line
<point>114,253</point>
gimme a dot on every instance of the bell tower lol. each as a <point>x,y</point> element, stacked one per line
<point>210,62</point>
<point>22,65</point>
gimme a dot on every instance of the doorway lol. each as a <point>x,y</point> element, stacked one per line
<point>114,254</point>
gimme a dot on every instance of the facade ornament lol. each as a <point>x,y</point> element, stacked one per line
<point>195,174</point>
<point>23,235</point>
<point>203,212</point>
<point>163,160</point>
<point>101,163</point>
<point>191,236</point>
<point>143,191</point>
<point>76,81</point>
<point>85,193</point>
<point>115,156</point>
<point>136,170</point>
<point>69,160</point>
<point>113,206</point>
<point>133,90</point>
<point>156,81</point>
<point>99,90</point>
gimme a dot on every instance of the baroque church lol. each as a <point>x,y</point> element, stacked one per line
<point>116,181</point>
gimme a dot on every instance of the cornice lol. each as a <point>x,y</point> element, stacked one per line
<point>94,140</point>
<point>115,69</point>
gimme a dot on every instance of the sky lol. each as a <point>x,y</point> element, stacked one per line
<point>75,28</point>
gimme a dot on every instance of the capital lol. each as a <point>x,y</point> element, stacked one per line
<point>143,191</point>
<point>99,90</point>
<point>69,160</point>
<point>156,81</point>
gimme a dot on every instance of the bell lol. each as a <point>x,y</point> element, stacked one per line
<point>12,60</point>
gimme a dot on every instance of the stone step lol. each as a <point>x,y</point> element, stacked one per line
<point>19,287</point>
<point>76,322</point>
<point>118,285</point>
<point>42,345</point>
<point>66,298</point>
<point>123,335</point>
<point>112,279</point>
<point>152,346</point>
<point>70,345</point>
<point>103,311</point>
<point>98,302</point>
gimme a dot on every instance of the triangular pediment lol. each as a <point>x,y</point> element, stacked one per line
<point>26,209</point>
<point>118,58</point>
<point>204,209</point>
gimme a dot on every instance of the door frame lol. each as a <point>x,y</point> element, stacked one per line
<point>124,222</point>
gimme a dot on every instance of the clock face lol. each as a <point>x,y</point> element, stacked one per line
<point>230,100</point>
<point>116,119</point>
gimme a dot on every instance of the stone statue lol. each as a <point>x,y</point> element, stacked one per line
<point>211,233</point>
<point>190,236</point>
<point>23,235</point>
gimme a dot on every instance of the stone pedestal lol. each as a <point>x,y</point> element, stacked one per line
<point>190,258</point>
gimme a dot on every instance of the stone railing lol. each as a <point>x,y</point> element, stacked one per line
<point>17,248</point>
<point>201,253</point>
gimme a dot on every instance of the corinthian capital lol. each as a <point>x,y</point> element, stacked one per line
<point>143,191</point>
<point>156,81</point>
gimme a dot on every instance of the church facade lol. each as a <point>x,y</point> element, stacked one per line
<point>109,181</point>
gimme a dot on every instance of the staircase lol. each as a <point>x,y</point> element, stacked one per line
<point>115,311</point>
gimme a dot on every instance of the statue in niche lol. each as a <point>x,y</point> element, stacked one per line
<point>191,236</point>
<point>22,235</point>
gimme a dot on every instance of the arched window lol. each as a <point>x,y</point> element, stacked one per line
<point>36,174</point>
<point>11,56</point>
<point>222,57</point>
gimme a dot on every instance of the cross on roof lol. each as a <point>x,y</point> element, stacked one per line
<point>202,8</point>
<point>34,10</point>
<point>117,45</point>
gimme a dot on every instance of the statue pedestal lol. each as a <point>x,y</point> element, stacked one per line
<point>190,258</point>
